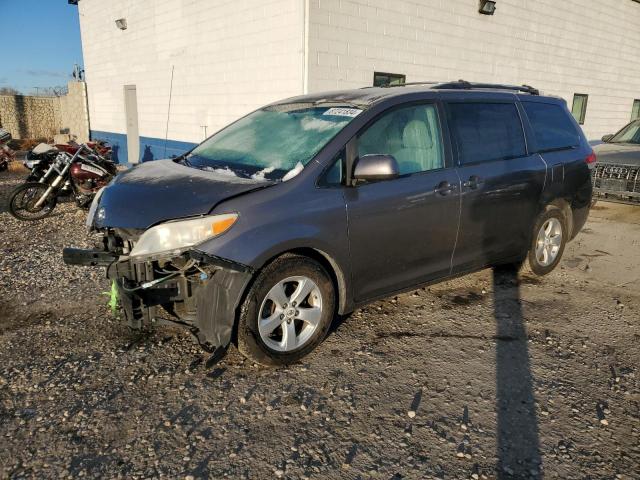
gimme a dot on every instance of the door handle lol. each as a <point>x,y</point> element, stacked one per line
<point>473,182</point>
<point>445,188</point>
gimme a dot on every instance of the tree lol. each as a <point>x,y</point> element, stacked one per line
<point>8,91</point>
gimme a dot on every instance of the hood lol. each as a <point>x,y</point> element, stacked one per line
<point>162,190</point>
<point>625,154</point>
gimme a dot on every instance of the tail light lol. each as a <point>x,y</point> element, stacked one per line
<point>591,159</point>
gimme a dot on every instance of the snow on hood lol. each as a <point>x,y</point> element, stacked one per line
<point>162,190</point>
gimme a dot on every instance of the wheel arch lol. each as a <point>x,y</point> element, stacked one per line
<point>565,207</point>
<point>335,271</point>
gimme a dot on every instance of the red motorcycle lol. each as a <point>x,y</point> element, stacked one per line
<point>81,175</point>
<point>98,146</point>
<point>6,154</point>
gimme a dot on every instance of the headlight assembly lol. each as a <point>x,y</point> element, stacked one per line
<point>178,235</point>
<point>93,207</point>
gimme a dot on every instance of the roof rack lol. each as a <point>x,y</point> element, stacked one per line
<point>464,85</point>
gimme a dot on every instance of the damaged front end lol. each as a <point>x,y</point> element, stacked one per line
<point>193,288</point>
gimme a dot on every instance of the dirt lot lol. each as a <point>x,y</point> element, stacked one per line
<point>472,378</point>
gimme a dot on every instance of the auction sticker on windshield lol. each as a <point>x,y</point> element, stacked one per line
<point>343,112</point>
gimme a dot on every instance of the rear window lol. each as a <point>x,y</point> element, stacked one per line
<point>486,131</point>
<point>552,126</point>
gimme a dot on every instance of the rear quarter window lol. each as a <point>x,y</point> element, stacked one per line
<point>552,126</point>
<point>484,132</point>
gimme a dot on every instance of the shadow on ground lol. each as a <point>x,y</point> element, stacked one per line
<point>517,425</point>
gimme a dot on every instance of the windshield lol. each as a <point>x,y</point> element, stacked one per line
<point>629,134</point>
<point>273,143</point>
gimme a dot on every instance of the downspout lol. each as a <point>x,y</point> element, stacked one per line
<point>305,47</point>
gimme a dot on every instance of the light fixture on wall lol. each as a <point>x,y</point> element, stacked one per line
<point>487,7</point>
<point>121,23</point>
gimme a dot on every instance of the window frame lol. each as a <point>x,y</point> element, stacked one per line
<point>402,77</point>
<point>454,143</point>
<point>322,178</point>
<point>635,108</point>
<point>583,112</point>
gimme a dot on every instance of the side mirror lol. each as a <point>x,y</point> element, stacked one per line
<point>376,167</point>
<point>607,137</point>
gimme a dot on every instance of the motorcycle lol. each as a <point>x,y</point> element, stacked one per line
<point>98,146</point>
<point>40,158</point>
<point>6,154</point>
<point>81,175</point>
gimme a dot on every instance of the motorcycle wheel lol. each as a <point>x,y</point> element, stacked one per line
<point>23,199</point>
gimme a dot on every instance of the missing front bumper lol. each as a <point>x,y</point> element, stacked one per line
<point>205,298</point>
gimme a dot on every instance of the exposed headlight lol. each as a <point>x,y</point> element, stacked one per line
<point>92,209</point>
<point>30,164</point>
<point>178,235</point>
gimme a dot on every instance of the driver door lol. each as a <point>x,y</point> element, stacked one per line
<point>402,231</point>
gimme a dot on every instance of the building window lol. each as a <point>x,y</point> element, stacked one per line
<point>381,79</point>
<point>635,110</point>
<point>579,107</point>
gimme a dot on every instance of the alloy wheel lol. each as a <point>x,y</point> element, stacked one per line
<point>290,314</point>
<point>548,241</point>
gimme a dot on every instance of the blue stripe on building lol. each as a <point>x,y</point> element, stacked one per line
<point>150,148</point>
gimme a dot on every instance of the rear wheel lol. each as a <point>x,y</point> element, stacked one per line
<point>287,312</point>
<point>548,241</point>
<point>23,200</point>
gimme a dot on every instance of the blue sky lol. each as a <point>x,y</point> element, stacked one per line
<point>39,43</point>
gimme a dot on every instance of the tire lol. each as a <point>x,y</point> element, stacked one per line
<point>22,200</point>
<point>548,240</point>
<point>286,275</point>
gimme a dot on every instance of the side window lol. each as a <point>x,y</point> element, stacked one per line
<point>486,131</point>
<point>410,134</point>
<point>552,126</point>
<point>335,173</point>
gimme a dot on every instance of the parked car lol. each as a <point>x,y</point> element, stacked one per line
<point>316,205</point>
<point>617,173</point>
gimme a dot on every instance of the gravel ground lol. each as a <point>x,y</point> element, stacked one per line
<point>479,377</point>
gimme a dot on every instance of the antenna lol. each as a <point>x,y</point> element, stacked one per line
<point>166,132</point>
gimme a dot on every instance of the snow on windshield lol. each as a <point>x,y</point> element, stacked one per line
<point>274,142</point>
<point>293,172</point>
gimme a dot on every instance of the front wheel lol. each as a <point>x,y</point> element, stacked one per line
<point>23,200</point>
<point>287,312</point>
<point>549,239</point>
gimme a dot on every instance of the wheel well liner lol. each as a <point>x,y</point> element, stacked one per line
<point>565,206</point>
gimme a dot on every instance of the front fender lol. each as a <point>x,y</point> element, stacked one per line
<point>269,225</point>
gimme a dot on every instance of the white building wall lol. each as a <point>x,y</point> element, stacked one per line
<point>559,46</point>
<point>229,57</point>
